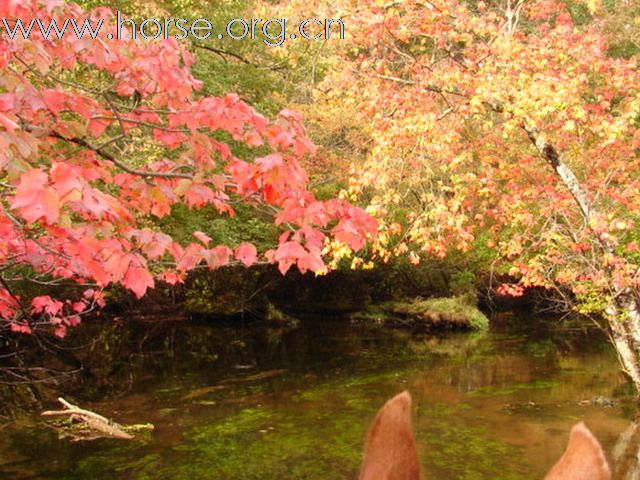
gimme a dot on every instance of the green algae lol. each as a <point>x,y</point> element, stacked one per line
<point>494,390</point>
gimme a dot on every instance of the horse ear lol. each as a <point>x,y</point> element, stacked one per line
<point>582,460</point>
<point>390,451</point>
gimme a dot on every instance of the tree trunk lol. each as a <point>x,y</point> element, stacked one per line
<point>626,453</point>
<point>623,313</point>
<point>623,320</point>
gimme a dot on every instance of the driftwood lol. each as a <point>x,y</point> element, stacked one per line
<point>99,425</point>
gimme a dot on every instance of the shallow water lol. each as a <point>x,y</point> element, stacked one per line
<point>251,403</point>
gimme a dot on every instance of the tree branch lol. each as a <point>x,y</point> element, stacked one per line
<point>108,156</point>
<point>224,53</point>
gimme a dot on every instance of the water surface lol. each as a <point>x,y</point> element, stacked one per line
<point>232,402</point>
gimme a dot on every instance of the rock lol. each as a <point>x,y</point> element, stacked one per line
<point>454,313</point>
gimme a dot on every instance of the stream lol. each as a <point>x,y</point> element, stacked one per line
<point>256,402</point>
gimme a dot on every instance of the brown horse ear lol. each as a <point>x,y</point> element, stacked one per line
<point>390,451</point>
<point>582,460</point>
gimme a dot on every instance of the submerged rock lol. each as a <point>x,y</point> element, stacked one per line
<point>599,401</point>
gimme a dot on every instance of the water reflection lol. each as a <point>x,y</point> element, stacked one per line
<point>240,404</point>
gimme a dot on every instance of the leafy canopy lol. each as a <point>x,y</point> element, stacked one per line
<point>504,123</point>
<point>79,202</point>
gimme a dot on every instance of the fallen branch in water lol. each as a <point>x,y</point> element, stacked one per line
<point>97,423</point>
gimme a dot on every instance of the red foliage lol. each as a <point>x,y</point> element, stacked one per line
<point>74,208</point>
